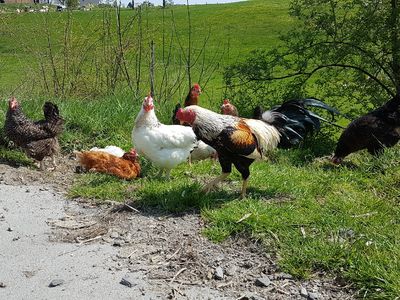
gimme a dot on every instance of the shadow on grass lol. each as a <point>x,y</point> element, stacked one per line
<point>14,158</point>
<point>183,199</point>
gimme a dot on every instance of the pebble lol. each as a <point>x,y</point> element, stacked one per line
<point>284,276</point>
<point>127,281</point>
<point>9,229</point>
<point>118,243</point>
<point>114,235</point>
<point>2,285</point>
<point>303,292</point>
<point>313,296</point>
<point>231,271</point>
<point>263,281</point>
<point>219,273</point>
<point>56,282</point>
<point>250,297</point>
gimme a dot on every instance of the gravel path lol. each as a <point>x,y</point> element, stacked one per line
<point>86,251</point>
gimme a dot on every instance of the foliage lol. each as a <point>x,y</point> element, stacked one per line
<point>72,4</point>
<point>343,51</point>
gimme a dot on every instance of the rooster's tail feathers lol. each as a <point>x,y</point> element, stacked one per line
<point>294,121</point>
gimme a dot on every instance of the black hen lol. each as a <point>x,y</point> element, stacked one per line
<point>293,120</point>
<point>374,131</point>
<point>38,139</point>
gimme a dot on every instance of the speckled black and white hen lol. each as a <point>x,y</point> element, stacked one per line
<point>38,139</point>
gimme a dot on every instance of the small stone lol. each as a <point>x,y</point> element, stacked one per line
<point>118,243</point>
<point>219,273</point>
<point>127,281</point>
<point>114,235</point>
<point>9,229</point>
<point>209,275</point>
<point>284,276</point>
<point>303,292</point>
<point>231,271</point>
<point>56,282</point>
<point>313,296</point>
<point>107,239</point>
<point>250,297</point>
<point>2,285</point>
<point>219,258</point>
<point>263,281</point>
<point>247,265</point>
<point>16,238</point>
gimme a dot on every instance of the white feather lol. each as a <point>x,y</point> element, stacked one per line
<point>267,136</point>
<point>203,151</point>
<point>113,150</point>
<point>165,145</point>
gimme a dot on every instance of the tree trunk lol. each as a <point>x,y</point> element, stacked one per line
<point>394,23</point>
<point>164,3</point>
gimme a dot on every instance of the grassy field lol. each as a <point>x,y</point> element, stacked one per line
<point>232,31</point>
<point>315,217</point>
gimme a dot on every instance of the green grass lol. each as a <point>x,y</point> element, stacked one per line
<point>241,27</point>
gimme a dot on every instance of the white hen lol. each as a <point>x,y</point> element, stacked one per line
<point>165,146</point>
<point>114,150</point>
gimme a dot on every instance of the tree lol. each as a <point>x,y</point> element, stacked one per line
<point>342,50</point>
<point>71,4</point>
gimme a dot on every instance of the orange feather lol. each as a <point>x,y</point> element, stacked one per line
<point>243,135</point>
<point>102,162</point>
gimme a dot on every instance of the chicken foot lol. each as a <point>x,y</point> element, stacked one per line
<point>209,186</point>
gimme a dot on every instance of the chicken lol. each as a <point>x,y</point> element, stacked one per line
<point>374,131</point>
<point>203,151</point>
<point>125,167</point>
<point>165,146</point>
<point>38,139</point>
<point>192,98</point>
<point>114,150</point>
<point>240,141</point>
<point>227,108</point>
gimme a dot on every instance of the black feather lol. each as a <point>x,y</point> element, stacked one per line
<point>174,119</point>
<point>293,120</point>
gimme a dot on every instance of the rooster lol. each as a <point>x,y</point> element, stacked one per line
<point>227,108</point>
<point>164,145</point>
<point>125,167</point>
<point>192,98</point>
<point>240,141</point>
<point>38,139</point>
<point>374,131</point>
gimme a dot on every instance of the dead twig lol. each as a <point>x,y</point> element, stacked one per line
<point>246,216</point>
<point>177,274</point>
<point>175,253</point>
<point>224,284</point>
<point>303,232</point>
<point>89,240</point>
<point>133,252</point>
<point>365,215</point>
<point>132,208</point>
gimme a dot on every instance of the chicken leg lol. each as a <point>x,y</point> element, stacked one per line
<point>244,188</point>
